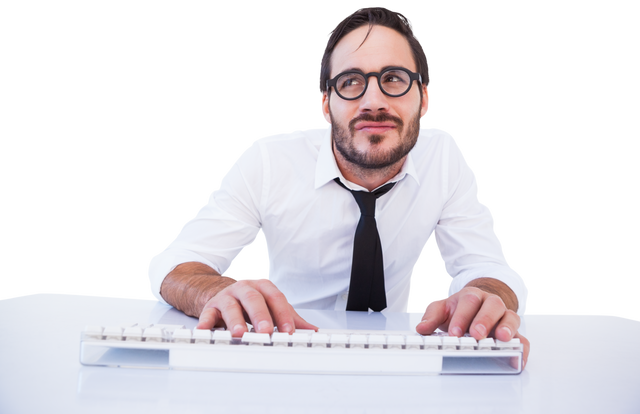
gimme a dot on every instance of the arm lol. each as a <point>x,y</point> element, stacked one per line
<point>466,238</point>
<point>486,295</point>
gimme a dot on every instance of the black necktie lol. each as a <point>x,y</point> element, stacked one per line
<point>366,288</point>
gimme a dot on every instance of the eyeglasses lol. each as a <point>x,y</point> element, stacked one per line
<point>394,82</point>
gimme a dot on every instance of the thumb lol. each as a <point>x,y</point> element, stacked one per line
<point>435,316</point>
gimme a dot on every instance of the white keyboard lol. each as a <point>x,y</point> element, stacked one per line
<point>327,351</point>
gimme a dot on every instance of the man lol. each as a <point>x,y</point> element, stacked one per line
<point>374,174</point>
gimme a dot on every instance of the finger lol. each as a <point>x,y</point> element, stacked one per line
<point>230,310</point>
<point>525,352</point>
<point>256,308</point>
<point>212,315</point>
<point>284,316</point>
<point>208,318</point>
<point>490,314</point>
<point>469,303</point>
<point>298,322</point>
<point>434,317</point>
<point>508,326</point>
<point>301,323</point>
<point>526,348</point>
<point>280,309</point>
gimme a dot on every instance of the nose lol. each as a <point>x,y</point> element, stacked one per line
<point>374,99</point>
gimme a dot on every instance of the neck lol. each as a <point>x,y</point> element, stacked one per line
<point>365,177</point>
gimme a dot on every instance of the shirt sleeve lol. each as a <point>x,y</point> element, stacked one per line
<point>465,234</point>
<point>230,221</point>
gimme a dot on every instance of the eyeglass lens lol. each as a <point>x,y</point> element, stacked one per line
<point>393,82</point>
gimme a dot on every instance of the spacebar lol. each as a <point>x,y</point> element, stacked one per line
<point>234,358</point>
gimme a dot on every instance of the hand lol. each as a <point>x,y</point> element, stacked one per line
<point>480,313</point>
<point>256,301</point>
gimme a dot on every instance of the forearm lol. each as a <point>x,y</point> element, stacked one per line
<point>499,288</point>
<point>190,286</point>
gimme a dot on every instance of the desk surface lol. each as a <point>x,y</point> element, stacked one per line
<point>40,372</point>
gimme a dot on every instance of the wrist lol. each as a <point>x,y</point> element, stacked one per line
<point>498,288</point>
<point>191,285</point>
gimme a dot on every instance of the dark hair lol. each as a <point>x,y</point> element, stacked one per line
<point>374,16</point>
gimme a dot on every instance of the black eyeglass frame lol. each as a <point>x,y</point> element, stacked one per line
<point>412,76</point>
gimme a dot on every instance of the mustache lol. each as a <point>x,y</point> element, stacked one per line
<point>380,117</point>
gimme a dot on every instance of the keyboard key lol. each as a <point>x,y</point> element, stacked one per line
<point>154,334</point>
<point>182,336</point>
<point>377,341</point>
<point>486,344</point>
<point>339,340</point>
<point>432,342</point>
<point>281,339</point>
<point>512,344</point>
<point>222,337</point>
<point>414,342</point>
<point>300,339</point>
<point>93,332</point>
<point>319,340</point>
<point>202,336</point>
<point>132,333</point>
<point>357,341</point>
<point>112,333</point>
<point>450,343</point>
<point>395,341</point>
<point>258,339</point>
<point>167,328</point>
<point>468,343</point>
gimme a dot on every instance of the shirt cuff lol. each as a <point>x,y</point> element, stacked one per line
<point>165,262</point>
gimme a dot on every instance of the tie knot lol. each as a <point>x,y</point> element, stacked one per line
<point>367,201</point>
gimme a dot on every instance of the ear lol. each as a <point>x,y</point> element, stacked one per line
<point>325,106</point>
<point>425,101</point>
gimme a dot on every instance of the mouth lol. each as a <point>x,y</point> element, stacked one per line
<point>375,127</point>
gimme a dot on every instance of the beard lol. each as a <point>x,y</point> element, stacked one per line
<point>375,159</point>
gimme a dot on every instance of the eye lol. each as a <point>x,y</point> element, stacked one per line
<point>393,77</point>
<point>350,81</point>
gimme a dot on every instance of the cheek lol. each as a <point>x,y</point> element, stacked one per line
<point>342,111</point>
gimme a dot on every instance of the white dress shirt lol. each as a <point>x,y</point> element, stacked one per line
<point>284,185</point>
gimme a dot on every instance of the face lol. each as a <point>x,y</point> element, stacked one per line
<point>376,130</point>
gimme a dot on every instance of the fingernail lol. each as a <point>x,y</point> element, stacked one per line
<point>507,330</point>
<point>481,329</point>
<point>237,328</point>
<point>263,326</point>
<point>286,328</point>
<point>455,331</point>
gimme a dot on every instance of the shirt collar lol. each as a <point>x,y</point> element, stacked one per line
<point>327,167</point>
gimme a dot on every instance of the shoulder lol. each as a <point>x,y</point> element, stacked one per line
<point>276,148</point>
<point>434,143</point>
<point>429,138</point>
<point>294,141</point>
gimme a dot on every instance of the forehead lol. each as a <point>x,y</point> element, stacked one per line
<point>383,47</point>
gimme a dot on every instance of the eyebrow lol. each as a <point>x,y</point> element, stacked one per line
<point>380,71</point>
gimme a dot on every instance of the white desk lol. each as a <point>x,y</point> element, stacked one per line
<point>40,372</point>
